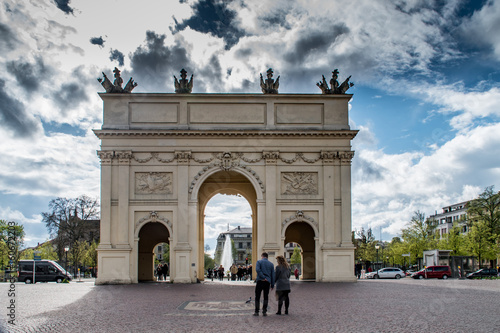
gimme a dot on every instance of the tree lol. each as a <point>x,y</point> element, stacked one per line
<point>419,235</point>
<point>365,245</point>
<point>486,208</point>
<point>11,240</point>
<point>296,256</point>
<point>209,262</point>
<point>454,240</point>
<point>68,220</point>
<point>46,250</point>
<point>234,252</point>
<point>479,241</point>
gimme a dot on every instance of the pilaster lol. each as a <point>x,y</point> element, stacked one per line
<point>106,157</point>
<point>123,198</point>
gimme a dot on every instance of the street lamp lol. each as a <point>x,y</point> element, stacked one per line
<point>376,248</point>
<point>66,249</point>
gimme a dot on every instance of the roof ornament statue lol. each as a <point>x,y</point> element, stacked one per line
<point>334,88</point>
<point>269,86</point>
<point>116,86</point>
<point>183,86</point>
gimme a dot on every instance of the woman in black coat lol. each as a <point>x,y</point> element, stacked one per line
<point>282,276</point>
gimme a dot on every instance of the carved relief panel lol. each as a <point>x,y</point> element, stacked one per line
<point>293,183</point>
<point>153,183</point>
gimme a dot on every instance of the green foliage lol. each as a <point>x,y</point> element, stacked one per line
<point>90,255</point>
<point>296,256</point>
<point>209,262</point>
<point>47,251</point>
<point>479,241</point>
<point>486,209</point>
<point>419,235</point>
<point>454,240</point>
<point>66,221</point>
<point>365,245</point>
<point>166,253</point>
<point>11,235</point>
<point>234,252</point>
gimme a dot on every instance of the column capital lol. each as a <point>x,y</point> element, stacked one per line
<point>271,157</point>
<point>124,157</point>
<point>346,157</point>
<point>183,157</point>
<point>106,156</point>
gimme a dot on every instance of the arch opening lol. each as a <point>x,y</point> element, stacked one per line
<point>303,234</point>
<point>150,235</point>
<point>235,190</point>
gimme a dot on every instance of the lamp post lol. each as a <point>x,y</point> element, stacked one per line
<point>66,249</point>
<point>376,248</point>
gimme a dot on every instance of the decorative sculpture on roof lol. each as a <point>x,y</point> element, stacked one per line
<point>116,86</point>
<point>334,88</point>
<point>183,86</point>
<point>269,86</point>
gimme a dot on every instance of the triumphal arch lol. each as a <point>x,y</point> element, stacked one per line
<point>165,155</point>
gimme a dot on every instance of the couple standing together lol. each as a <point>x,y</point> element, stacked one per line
<point>266,278</point>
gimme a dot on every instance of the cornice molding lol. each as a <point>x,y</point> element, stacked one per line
<point>350,134</point>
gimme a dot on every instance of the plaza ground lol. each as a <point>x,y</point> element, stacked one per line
<point>404,305</point>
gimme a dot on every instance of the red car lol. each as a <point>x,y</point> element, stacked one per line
<point>437,272</point>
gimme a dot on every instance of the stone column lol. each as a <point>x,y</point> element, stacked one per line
<point>345,166</point>
<point>106,157</point>
<point>123,198</point>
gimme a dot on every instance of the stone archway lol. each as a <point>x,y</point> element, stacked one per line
<point>150,234</point>
<point>300,230</point>
<point>170,153</point>
<point>230,183</point>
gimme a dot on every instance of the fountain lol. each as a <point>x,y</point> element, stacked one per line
<point>227,254</point>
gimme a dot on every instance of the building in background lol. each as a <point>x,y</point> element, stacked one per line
<point>242,238</point>
<point>451,214</point>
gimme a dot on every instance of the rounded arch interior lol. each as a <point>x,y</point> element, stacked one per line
<point>150,234</point>
<point>303,234</point>
<point>230,183</point>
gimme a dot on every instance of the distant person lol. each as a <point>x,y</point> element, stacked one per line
<point>221,272</point>
<point>158,272</point>
<point>234,272</point>
<point>282,275</point>
<point>264,280</point>
<point>296,273</point>
<point>164,271</point>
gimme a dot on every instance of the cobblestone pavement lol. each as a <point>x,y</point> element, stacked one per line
<point>404,305</point>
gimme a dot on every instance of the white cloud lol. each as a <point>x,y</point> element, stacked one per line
<point>387,189</point>
<point>56,164</point>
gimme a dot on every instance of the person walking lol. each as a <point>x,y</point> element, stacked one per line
<point>282,276</point>
<point>296,273</point>
<point>264,280</point>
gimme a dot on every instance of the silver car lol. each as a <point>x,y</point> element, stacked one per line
<point>387,273</point>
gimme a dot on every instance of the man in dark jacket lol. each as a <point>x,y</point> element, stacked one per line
<point>264,280</point>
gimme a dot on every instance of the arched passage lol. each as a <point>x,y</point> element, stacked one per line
<point>230,183</point>
<point>150,234</point>
<point>303,234</point>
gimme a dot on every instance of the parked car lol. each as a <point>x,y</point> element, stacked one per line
<point>409,272</point>
<point>436,272</point>
<point>386,273</point>
<point>484,272</point>
<point>45,271</point>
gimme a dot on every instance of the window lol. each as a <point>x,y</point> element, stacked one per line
<point>240,245</point>
<point>27,267</point>
<point>249,245</point>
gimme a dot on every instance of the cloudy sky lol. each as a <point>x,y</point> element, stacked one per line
<point>426,96</point>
